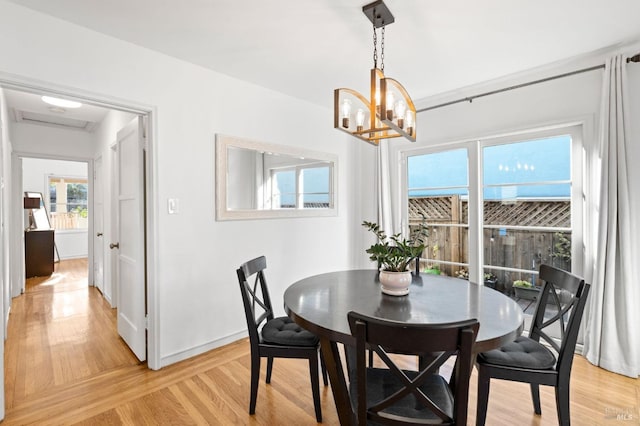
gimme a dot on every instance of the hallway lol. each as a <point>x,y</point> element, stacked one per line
<point>61,332</point>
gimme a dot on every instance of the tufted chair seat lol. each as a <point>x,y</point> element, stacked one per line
<point>283,331</point>
<point>521,353</point>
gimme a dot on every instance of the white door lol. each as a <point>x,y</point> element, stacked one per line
<point>98,226</point>
<point>130,245</point>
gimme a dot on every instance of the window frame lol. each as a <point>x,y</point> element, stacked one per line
<point>48,179</point>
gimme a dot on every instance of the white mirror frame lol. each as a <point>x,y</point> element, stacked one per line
<point>223,142</point>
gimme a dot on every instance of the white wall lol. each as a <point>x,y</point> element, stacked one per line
<point>35,172</point>
<point>195,285</point>
<point>50,141</point>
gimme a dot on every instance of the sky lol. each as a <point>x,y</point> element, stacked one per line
<point>509,171</point>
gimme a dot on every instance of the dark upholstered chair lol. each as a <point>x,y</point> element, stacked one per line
<point>394,396</point>
<point>274,337</point>
<point>559,307</point>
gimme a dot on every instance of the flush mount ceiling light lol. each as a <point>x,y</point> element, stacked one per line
<point>63,103</point>
<point>390,112</point>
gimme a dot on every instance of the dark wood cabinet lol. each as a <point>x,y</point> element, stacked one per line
<point>38,252</point>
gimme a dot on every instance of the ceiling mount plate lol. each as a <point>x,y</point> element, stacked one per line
<point>378,13</point>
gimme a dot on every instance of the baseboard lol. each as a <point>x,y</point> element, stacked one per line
<point>197,350</point>
<point>73,256</point>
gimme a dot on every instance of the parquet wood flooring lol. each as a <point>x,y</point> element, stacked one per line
<point>65,364</point>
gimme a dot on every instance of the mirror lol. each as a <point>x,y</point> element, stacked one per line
<point>38,218</point>
<point>256,180</point>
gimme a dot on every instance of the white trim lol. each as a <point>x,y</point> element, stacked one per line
<point>16,82</point>
<point>200,349</point>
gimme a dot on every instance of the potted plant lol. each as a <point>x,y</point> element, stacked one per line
<point>525,290</point>
<point>462,274</point>
<point>394,254</point>
<point>433,270</point>
<point>490,280</point>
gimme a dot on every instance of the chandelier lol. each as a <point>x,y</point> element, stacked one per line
<point>389,112</point>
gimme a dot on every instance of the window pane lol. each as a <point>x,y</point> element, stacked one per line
<point>316,187</point>
<point>284,189</point>
<point>531,161</point>
<point>524,250</point>
<point>527,193</point>
<point>438,193</point>
<point>438,170</point>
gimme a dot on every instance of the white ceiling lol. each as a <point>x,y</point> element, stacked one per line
<point>30,108</point>
<point>307,48</point>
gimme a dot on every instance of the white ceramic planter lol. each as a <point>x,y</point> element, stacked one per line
<point>395,283</point>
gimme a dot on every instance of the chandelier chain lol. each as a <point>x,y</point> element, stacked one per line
<point>375,47</point>
<point>382,51</point>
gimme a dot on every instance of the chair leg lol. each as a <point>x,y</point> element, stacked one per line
<point>269,368</point>
<point>483,396</point>
<point>323,368</point>
<point>315,386</point>
<point>535,396</point>
<point>255,379</point>
<point>562,405</point>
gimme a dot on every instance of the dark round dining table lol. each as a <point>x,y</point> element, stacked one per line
<point>320,304</point>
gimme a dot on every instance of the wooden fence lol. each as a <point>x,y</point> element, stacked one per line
<point>503,246</point>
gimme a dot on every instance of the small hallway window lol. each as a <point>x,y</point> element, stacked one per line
<point>68,198</point>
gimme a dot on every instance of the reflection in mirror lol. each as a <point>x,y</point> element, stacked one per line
<point>258,180</point>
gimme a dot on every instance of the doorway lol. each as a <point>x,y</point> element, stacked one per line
<point>29,150</point>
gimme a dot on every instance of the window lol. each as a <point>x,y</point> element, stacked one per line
<point>528,195</point>
<point>68,202</point>
<point>300,187</point>
<point>527,209</point>
<point>441,198</point>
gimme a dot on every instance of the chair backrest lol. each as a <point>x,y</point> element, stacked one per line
<point>439,341</point>
<point>559,312</point>
<point>255,296</point>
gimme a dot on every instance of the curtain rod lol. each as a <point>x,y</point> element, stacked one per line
<point>470,99</point>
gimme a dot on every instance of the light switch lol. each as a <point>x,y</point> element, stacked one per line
<point>173,206</point>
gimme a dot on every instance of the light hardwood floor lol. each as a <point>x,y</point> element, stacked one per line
<point>65,364</point>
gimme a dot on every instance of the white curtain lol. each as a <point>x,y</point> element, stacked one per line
<point>385,215</point>
<point>611,339</point>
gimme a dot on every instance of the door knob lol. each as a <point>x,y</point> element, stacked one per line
<point>116,245</point>
<point>99,234</point>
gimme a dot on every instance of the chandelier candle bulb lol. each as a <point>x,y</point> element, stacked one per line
<point>409,122</point>
<point>401,109</point>
<point>346,112</point>
<point>360,116</point>
<point>390,102</point>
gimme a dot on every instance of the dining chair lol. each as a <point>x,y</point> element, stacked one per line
<point>274,337</point>
<point>558,311</point>
<point>395,396</point>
